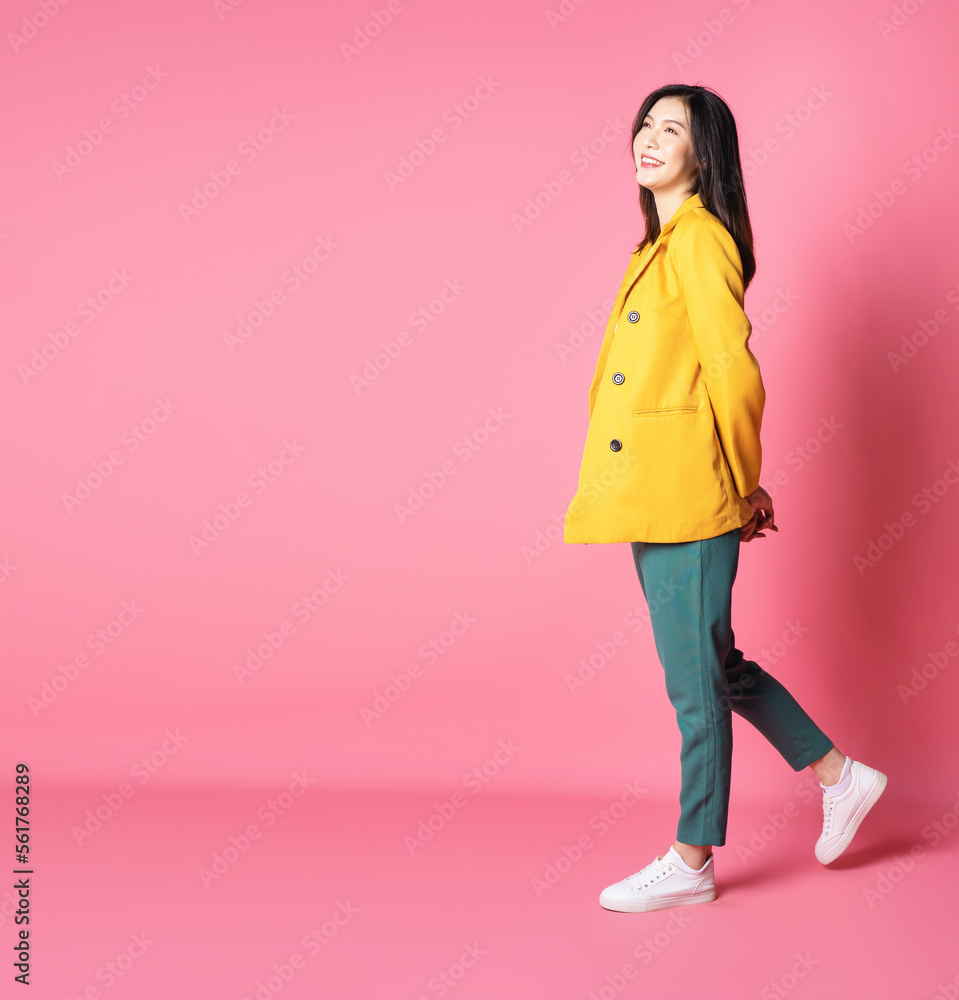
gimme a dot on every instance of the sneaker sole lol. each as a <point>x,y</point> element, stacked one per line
<point>867,803</point>
<point>646,906</point>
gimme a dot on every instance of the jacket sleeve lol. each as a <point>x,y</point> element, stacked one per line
<point>711,276</point>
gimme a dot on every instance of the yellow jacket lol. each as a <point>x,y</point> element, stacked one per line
<point>676,403</point>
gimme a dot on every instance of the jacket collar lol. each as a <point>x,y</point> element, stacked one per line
<point>693,201</point>
<point>641,259</point>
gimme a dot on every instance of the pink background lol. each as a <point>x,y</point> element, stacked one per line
<point>831,299</point>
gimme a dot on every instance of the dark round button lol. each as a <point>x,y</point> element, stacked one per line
<point>619,378</point>
<point>633,317</point>
<point>615,444</point>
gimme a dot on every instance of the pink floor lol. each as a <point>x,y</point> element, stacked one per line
<point>328,902</point>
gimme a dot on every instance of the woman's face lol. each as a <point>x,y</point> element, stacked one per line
<point>664,138</point>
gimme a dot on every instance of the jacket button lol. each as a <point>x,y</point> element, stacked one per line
<point>619,378</point>
<point>615,444</point>
<point>633,317</point>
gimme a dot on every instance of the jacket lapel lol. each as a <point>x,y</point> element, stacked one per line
<point>641,260</point>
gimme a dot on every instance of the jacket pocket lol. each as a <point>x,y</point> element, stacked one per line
<point>665,410</point>
<point>678,323</point>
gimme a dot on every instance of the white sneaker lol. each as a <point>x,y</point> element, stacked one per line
<point>659,885</point>
<point>843,813</point>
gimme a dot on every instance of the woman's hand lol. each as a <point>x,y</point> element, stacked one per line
<point>762,505</point>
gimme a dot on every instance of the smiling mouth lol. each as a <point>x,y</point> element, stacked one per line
<point>648,161</point>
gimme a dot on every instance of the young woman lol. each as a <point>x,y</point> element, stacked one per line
<point>672,464</point>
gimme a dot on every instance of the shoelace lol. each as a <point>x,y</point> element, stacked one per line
<point>654,871</point>
<point>827,803</point>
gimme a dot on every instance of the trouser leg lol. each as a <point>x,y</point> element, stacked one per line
<point>688,587</point>
<point>762,700</point>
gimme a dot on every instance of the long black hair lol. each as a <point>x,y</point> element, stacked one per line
<point>719,181</point>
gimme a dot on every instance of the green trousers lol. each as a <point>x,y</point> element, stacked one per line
<point>688,588</point>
